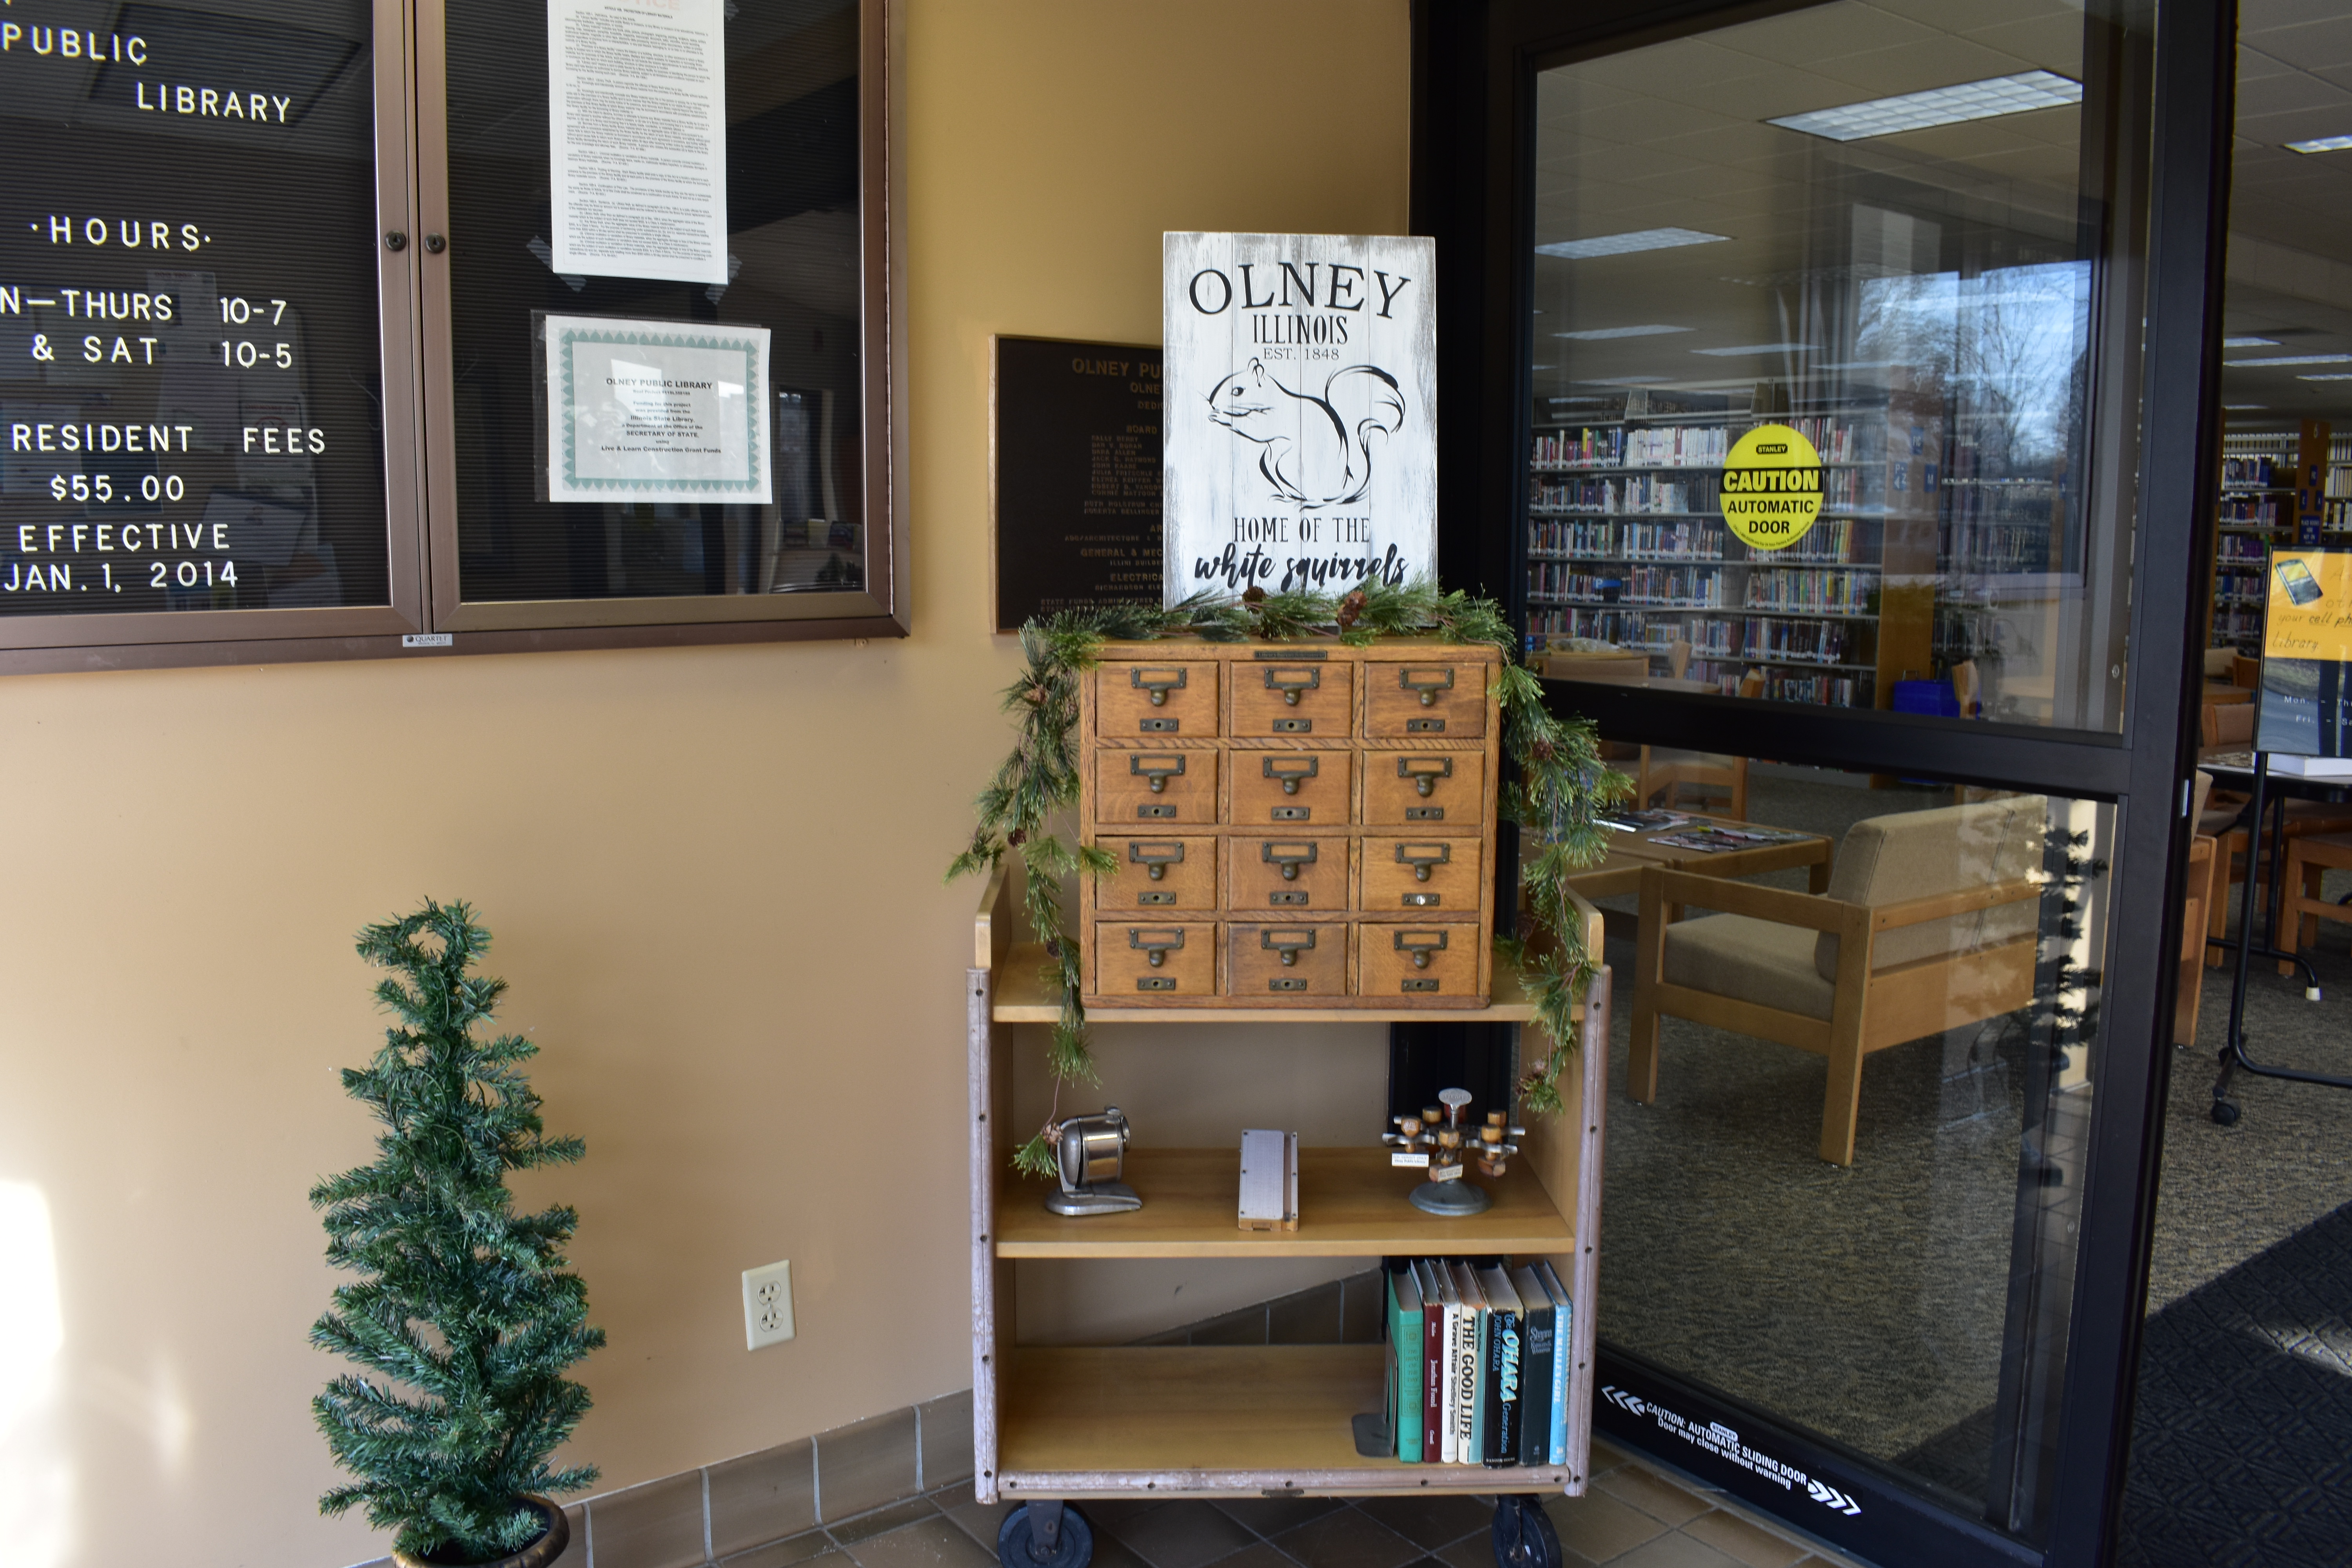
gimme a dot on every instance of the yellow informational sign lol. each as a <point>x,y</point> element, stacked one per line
<point>2309,615</point>
<point>1771,486</point>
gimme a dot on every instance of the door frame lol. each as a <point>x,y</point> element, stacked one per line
<point>1474,65</point>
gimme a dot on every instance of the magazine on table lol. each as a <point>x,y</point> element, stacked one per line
<point>1714,840</point>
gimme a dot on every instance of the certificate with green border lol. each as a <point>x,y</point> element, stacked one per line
<point>656,411</point>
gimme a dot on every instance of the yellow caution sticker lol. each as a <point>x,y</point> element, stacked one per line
<point>1771,486</point>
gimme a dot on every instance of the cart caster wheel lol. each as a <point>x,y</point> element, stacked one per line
<point>1074,1547</point>
<point>1524,1536</point>
<point>2226,1112</point>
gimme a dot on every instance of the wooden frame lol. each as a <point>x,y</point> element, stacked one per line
<point>1055,1423</point>
<point>1873,1009</point>
<point>883,607</point>
<point>33,645</point>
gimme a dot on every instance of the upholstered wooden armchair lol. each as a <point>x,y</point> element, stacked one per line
<point>1930,922</point>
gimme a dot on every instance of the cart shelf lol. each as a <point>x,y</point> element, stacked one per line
<point>1210,1420</point>
<point>1351,1204</point>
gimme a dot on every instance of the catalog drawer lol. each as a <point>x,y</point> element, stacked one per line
<point>1153,787</point>
<point>1309,696</point>
<point>1133,958</point>
<point>1271,874</point>
<point>1411,874</point>
<point>1402,701</point>
<point>1287,959</point>
<point>1139,700</point>
<point>1412,789</point>
<point>1285,788</point>
<point>1159,874</point>
<point>1433,959</point>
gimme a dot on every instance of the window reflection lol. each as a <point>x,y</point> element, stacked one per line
<point>1928,315</point>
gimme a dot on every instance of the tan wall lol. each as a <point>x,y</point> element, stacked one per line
<point>714,876</point>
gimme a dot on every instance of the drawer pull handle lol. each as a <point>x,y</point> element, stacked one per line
<point>1421,944</point>
<point>1428,682</point>
<point>1157,770</point>
<point>1156,943</point>
<point>1421,857</point>
<point>1155,858</point>
<point>1159,683</point>
<point>1291,770</point>
<point>1424,772</point>
<point>1292,683</point>
<point>1289,856</point>
<point>1289,943</point>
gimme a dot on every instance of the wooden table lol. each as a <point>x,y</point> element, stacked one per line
<point>1629,852</point>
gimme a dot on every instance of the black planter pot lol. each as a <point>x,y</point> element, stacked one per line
<point>538,1554</point>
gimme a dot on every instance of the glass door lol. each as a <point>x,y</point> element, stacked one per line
<point>1838,411</point>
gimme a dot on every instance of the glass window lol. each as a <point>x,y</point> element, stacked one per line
<point>1847,1139</point>
<point>192,380</point>
<point>790,170</point>
<point>1836,334</point>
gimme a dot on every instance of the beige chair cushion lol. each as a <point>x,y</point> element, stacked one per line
<point>2219,662</point>
<point>1920,854</point>
<point>1750,960</point>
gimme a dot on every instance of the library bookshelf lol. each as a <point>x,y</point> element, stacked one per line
<point>1626,543</point>
<point>1056,1423</point>
<point>2279,488</point>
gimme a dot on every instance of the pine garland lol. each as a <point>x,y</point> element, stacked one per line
<point>1562,786</point>
<point>459,1299</point>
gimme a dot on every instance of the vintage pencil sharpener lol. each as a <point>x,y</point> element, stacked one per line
<point>1092,1153</point>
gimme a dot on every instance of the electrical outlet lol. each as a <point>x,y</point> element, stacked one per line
<point>767,1305</point>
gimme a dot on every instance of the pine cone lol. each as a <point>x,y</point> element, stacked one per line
<point>1034,696</point>
<point>1543,752</point>
<point>1254,594</point>
<point>1016,839</point>
<point>1352,609</point>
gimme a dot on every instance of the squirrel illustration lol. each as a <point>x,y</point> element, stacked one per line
<point>1312,456</point>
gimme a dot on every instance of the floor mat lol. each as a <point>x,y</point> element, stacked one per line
<point>2243,1451</point>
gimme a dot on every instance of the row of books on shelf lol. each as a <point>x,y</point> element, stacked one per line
<point>1690,540</point>
<point>1827,591</point>
<point>1633,493</point>
<point>1479,1362</point>
<point>1677,445</point>
<point>1581,448</point>
<point>1810,642</point>
<point>1829,691</point>
<point>2237,625</point>
<point>2254,470</point>
<point>2239,547</point>
<point>1690,586</point>
<point>1993,547</point>
<point>2261,510</point>
<point>1829,543</point>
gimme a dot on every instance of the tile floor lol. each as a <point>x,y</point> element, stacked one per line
<point>1633,1516</point>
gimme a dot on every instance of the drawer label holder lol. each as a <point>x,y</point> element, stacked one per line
<point>1158,681</point>
<point>1421,857</point>
<point>1155,857</point>
<point>1288,942</point>
<point>1426,681</point>
<point>1156,943</point>
<point>1290,772</point>
<point>1294,683</point>
<point>1420,943</point>
<point>1424,772</point>
<point>1289,856</point>
<point>1156,768</point>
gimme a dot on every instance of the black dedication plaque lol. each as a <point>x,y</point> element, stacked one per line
<point>1077,477</point>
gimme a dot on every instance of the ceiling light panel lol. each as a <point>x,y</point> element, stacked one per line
<point>2289,359</point>
<point>1595,334</point>
<point>1626,243</point>
<point>2321,144</point>
<point>1756,349</point>
<point>2324,378</point>
<point>1986,100</point>
<point>2250,342</point>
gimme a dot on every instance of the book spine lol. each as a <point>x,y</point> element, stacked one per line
<point>1432,1381</point>
<point>1562,1322</point>
<point>1535,1410</point>
<point>1474,1385</point>
<point>1503,1391</point>
<point>1404,1380</point>
<point>1450,1393</point>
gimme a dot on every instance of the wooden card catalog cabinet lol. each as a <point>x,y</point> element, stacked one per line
<point>1295,825</point>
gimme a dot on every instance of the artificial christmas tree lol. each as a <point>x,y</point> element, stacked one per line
<point>465,1303</point>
